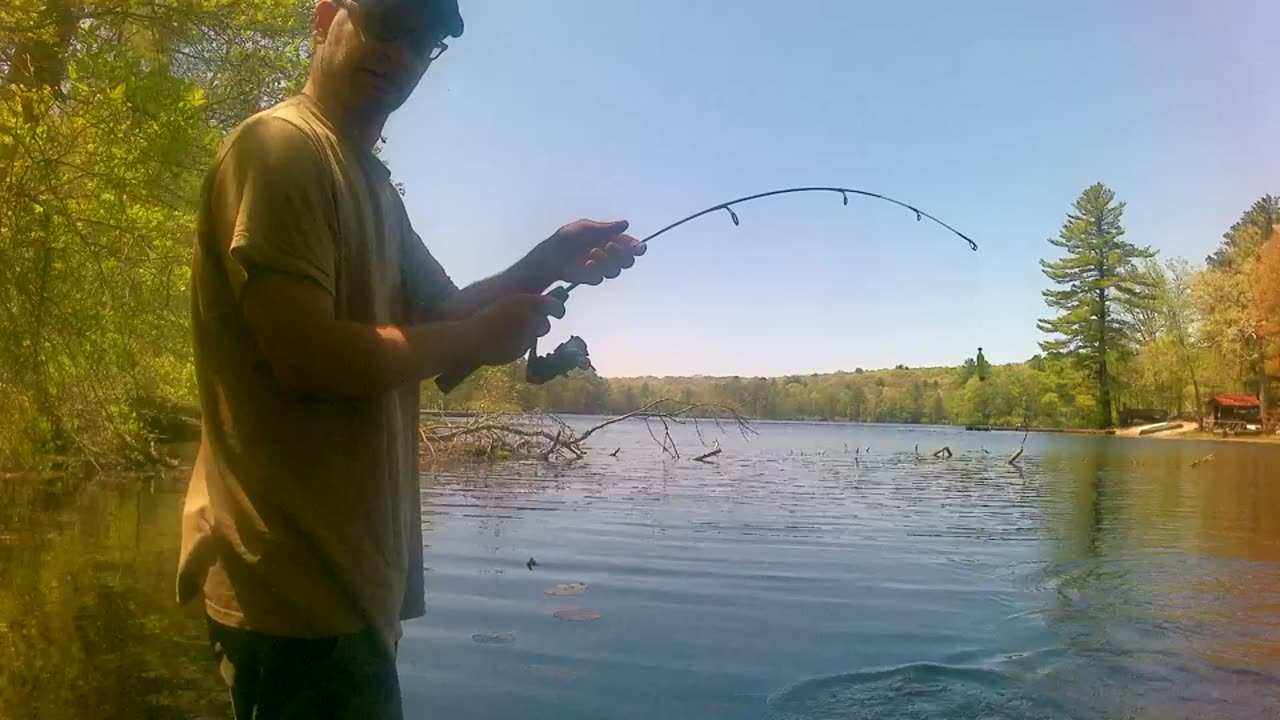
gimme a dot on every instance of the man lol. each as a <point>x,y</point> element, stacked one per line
<point>317,311</point>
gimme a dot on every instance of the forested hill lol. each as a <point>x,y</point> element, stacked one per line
<point>1048,393</point>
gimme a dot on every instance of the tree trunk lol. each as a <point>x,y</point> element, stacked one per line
<point>1104,374</point>
<point>1264,393</point>
<point>1195,385</point>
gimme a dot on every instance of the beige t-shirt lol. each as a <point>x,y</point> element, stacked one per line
<point>303,516</point>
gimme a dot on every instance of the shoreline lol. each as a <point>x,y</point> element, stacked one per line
<point>1201,435</point>
<point>1190,432</point>
<point>1186,433</point>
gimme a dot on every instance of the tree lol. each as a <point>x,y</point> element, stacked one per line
<point>1099,282</point>
<point>1180,319</point>
<point>979,399</point>
<point>110,112</point>
<point>855,400</point>
<point>1228,294</point>
<point>1266,300</point>
<point>1266,288</point>
<point>937,409</point>
<point>1243,242</point>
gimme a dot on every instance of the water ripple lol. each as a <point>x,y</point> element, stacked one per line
<point>920,691</point>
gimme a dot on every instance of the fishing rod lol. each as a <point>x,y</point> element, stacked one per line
<point>572,354</point>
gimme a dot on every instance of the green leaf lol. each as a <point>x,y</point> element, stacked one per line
<point>195,97</point>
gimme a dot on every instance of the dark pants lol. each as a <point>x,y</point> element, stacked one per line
<point>280,678</point>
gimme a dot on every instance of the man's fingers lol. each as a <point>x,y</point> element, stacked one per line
<point>620,255</point>
<point>542,327</point>
<point>548,305</point>
<point>614,227</point>
<point>596,228</point>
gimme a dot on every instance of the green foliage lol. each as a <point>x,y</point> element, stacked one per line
<point>1011,395</point>
<point>110,111</point>
<point>1229,291</point>
<point>1242,243</point>
<point>1100,289</point>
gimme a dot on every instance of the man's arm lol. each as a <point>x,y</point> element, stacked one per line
<point>516,280</point>
<point>585,251</point>
<point>311,352</point>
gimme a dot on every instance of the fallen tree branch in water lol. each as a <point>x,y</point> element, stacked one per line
<point>1013,459</point>
<point>546,436</point>
<point>706,456</point>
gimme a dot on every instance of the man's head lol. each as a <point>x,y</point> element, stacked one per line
<point>370,54</point>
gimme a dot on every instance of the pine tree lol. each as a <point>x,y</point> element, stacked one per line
<point>1100,286</point>
<point>1243,242</point>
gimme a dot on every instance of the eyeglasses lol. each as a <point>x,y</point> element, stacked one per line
<point>389,21</point>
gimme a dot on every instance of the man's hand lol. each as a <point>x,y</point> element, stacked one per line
<point>504,330</point>
<point>586,252</point>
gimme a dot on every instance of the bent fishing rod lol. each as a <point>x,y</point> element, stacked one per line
<point>572,354</point>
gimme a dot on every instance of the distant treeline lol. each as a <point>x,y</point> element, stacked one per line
<point>1043,392</point>
<point>1048,393</point>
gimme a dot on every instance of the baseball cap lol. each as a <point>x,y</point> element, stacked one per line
<point>446,13</point>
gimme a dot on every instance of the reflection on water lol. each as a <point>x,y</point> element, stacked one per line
<point>88,625</point>
<point>1165,578</point>
<point>1105,578</point>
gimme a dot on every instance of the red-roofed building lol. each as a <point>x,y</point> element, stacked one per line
<point>1233,413</point>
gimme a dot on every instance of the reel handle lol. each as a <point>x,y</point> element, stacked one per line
<point>448,382</point>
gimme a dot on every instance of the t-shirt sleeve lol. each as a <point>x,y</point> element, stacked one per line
<point>426,282</point>
<point>272,194</point>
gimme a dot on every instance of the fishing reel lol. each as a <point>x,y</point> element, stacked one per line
<point>568,356</point>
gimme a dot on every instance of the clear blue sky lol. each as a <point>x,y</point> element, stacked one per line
<point>992,115</point>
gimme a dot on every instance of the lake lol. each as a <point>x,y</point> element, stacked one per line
<point>814,571</point>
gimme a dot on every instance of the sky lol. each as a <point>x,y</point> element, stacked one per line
<point>994,116</point>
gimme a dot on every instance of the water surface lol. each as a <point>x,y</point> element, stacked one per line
<point>816,571</point>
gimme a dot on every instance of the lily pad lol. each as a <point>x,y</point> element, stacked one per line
<point>573,588</point>
<point>577,614</point>
<point>505,638</point>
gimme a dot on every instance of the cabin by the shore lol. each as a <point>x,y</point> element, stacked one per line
<point>1233,414</point>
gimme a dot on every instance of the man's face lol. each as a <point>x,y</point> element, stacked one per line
<point>372,53</point>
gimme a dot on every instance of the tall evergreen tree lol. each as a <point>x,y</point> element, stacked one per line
<point>1243,242</point>
<point>1100,286</point>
